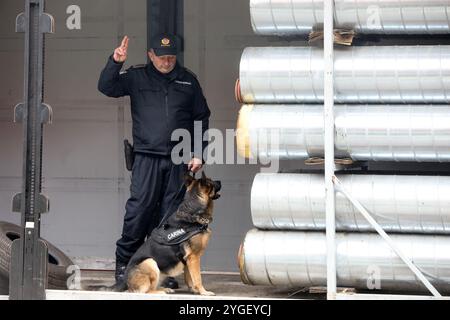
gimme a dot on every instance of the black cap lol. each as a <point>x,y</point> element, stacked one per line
<point>164,45</point>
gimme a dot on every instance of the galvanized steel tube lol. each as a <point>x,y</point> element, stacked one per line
<point>300,17</point>
<point>363,132</point>
<point>408,204</point>
<point>390,74</point>
<point>364,261</point>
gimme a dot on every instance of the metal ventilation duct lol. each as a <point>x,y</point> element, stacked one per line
<point>363,132</point>
<point>410,204</point>
<point>298,259</point>
<point>300,17</point>
<point>391,74</point>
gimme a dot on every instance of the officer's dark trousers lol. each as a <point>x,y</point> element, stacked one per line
<point>155,186</point>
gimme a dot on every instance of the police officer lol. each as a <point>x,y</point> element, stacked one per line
<point>164,97</point>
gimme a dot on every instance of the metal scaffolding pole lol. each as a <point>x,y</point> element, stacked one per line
<point>329,147</point>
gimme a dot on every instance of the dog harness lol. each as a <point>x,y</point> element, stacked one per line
<point>170,234</point>
<point>173,234</point>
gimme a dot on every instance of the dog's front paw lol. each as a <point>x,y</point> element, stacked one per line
<point>207,293</point>
<point>168,290</point>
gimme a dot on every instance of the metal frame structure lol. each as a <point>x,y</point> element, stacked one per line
<point>332,183</point>
<point>29,254</point>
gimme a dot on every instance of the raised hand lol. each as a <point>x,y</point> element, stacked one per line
<point>120,54</point>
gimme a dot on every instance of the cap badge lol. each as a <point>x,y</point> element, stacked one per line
<point>165,42</point>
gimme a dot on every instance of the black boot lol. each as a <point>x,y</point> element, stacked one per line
<point>120,271</point>
<point>170,283</point>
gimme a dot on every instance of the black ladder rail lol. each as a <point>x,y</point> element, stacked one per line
<point>29,254</point>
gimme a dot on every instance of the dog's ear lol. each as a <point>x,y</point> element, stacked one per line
<point>188,179</point>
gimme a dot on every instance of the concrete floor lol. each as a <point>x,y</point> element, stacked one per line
<point>226,286</point>
<point>222,284</point>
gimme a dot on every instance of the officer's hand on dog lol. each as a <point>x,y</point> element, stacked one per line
<point>120,54</point>
<point>195,164</point>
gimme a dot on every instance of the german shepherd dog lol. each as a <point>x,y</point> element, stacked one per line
<point>177,244</point>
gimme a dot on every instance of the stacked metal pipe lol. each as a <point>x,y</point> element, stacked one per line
<point>383,74</point>
<point>364,260</point>
<point>400,203</point>
<point>392,106</point>
<point>362,132</point>
<point>300,17</point>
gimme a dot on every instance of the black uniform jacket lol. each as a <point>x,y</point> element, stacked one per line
<point>159,104</point>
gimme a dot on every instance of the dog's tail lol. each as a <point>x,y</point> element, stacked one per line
<point>117,287</point>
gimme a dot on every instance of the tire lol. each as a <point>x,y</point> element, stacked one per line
<point>58,262</point>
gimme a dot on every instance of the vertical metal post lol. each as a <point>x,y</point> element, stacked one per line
<point>166,16</point>
<point>329,147</point>
<point>29,254</point>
